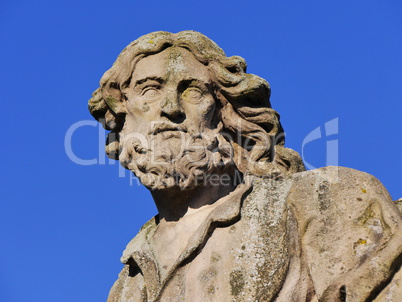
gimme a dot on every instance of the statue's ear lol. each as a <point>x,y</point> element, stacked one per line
<point>113,97</point>
<point>116,105</point>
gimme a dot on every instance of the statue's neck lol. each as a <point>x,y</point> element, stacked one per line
<point>174,204</point>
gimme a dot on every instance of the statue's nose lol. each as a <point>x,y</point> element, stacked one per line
<point>171,107</point>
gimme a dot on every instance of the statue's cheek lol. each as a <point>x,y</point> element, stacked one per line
<point>207,107</point>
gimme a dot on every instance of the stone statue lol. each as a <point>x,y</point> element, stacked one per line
<point>239,217</point>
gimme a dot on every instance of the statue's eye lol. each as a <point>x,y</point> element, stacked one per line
<point>150,93</point>
<point>192,95</point>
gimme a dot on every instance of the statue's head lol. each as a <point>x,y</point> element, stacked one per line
<point>179,111</point>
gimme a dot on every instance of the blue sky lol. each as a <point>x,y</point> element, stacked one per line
<point>63,225</point>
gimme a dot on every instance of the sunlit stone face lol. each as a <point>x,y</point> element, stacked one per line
<point>170,90</point>
<point>169,126</point>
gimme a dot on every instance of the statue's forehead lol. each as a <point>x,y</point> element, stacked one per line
<point>171,61</point>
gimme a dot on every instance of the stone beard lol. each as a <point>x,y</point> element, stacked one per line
<point>176,159</point>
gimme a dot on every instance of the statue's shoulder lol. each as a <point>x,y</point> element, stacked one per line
<point>328,188</point>
<point>336,196</point>
<point>340,176</point>
<point>339,191</point>
<point>324,186</point>
<point>140,240</point>
<point>344,217</point>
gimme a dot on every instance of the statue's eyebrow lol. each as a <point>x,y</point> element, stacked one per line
<point>151,78</point>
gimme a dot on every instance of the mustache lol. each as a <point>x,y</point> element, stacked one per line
<point>166,126</point>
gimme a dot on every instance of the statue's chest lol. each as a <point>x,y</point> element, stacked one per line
<point>239,261</point>
<point>247,261</point>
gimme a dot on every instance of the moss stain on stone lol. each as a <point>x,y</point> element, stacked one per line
<point>359,242</point>
<point>236,282</point>
<point>215,257</point>
<point>368,214</point>
<point>111,102</point>
<point>323,191</point>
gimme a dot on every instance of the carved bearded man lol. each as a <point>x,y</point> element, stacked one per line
<point>239,218</point>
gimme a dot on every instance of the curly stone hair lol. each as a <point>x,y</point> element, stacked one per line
<point>243,105</point>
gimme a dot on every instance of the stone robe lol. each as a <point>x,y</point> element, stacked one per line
<point>331,234</point>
